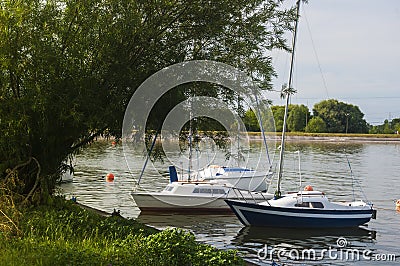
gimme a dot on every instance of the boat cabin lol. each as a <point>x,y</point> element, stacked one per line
<point>197,188</point>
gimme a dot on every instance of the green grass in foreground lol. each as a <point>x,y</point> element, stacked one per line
<point>65,234</point>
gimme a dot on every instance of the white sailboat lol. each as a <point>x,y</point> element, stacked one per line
<point>204,190</point>
<point>238,177</point>
<point>305,209</point>
<point>193,196</point>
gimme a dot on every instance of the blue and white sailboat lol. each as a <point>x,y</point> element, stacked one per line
<point>305,209</point>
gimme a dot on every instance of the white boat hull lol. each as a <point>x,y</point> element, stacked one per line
<point>162,202</point>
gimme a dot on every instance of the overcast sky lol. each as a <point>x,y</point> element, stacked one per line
<point>347,50</point>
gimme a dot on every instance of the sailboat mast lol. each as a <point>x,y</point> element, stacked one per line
<point>287,91</point>
<point>190,142</point>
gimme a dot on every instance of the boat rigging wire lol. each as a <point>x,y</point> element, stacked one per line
<point>147,158</point>
<point>315,53</point>
<point>354,180</point>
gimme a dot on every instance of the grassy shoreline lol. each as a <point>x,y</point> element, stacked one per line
<point>64,233</point>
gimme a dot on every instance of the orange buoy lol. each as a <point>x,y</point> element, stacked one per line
<point>308,188</point>
<point>114,143</point>
<point>109,177</point>
<point>398,204</point>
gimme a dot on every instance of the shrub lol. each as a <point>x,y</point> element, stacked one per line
<point>316,125</point>
<point>62,233</point>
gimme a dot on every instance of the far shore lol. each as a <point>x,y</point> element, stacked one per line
<point>321,137</point>
<point>330,137</point>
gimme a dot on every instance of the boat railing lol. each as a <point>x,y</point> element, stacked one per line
<point>239,193</point>
<point>236,191</point>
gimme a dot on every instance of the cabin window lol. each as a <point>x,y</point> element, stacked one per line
<point>209,190</point>
<point>318,205</point>
<point>168,188</point>
<point>205,190</point>
<point>302,204</point>
<point>218,191</point>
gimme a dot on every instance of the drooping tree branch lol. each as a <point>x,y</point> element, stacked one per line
<point>88,139</point>
<point>18,166</point>
<point>36,181</point>
<point>10,221</point>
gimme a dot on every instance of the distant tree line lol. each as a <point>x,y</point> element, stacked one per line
<point>388,127</point>
<point>329,116</point>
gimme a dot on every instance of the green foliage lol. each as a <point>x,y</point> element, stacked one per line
<point>177,247</point>
<point>64,234</point>
<point>396,125</point>
<point>279,113</point>
<point>297,119</point>
<point>10,215</point>
<point>341,117</point>
<point>63,221</point>
<point>330,116</point>
<point>68,68</point>
<point>387,127</point>
<point>250,121</point>
<point>316,125</point>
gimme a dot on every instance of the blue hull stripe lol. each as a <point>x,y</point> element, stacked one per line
<point>261,215</point>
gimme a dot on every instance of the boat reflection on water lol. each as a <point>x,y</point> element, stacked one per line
<point>256,243</point>
<point>184,220</point>
<point>306,237</point>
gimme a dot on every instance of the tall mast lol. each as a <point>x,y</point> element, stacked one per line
<point>190,142</point>
<point>287,91</point>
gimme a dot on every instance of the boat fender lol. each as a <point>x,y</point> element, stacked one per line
<point>374,212</point>
<point>308,188</point>
<point>73,199</point>
<point>277,195</point>
<point>109,177</point>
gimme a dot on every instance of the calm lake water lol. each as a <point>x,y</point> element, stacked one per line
<point>375,166</point>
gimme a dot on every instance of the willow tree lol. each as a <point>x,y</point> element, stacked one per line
<point>68,68</point>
